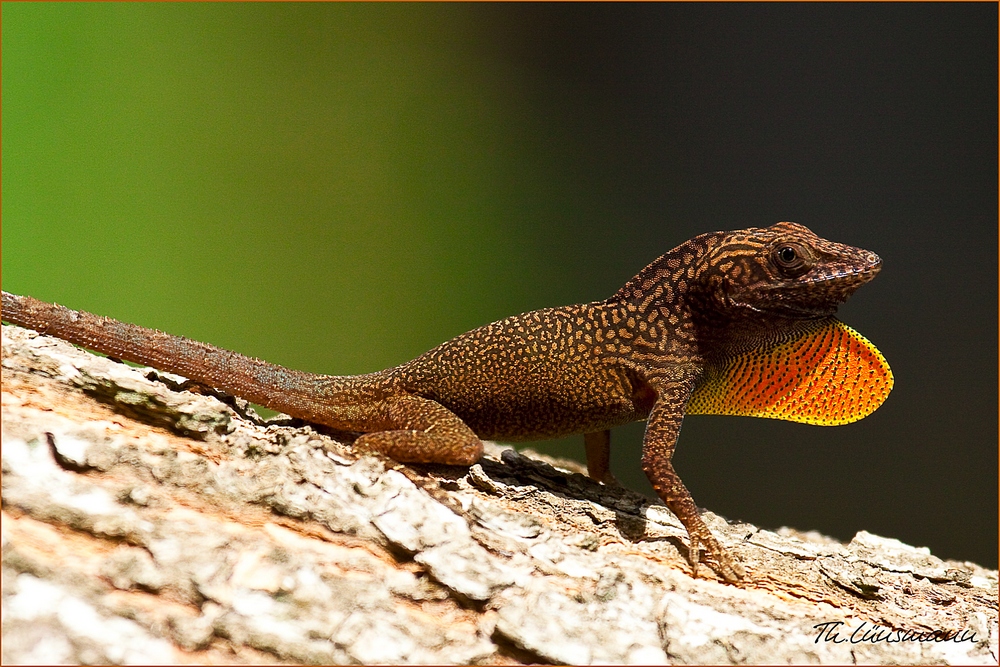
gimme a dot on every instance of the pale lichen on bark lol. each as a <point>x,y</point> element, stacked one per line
<point>142,523</point>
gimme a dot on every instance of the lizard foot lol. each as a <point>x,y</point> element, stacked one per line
<point>715,556</point>
<point>419,430</point>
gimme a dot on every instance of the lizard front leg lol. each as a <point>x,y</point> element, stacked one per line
<point>662,428</point>
<point>419,430</point>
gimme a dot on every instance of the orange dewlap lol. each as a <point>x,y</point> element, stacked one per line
<point>827,375</point>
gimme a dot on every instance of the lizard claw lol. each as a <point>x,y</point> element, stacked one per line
<point>715,557</point>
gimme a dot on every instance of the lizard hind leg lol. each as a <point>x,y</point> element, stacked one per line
<point>598,447</point>
<point>419,430</point>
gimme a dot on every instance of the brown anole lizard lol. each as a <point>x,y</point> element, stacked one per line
<point>736,323</point>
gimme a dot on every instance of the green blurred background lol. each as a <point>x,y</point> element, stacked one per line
<point>340,187</point>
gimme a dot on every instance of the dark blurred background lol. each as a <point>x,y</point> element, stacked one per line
<point>339,187</point>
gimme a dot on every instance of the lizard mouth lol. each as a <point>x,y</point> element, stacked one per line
<point>853,277</point>
<point>820,295</point>
<point>774,302</point>
<point>808,298</point>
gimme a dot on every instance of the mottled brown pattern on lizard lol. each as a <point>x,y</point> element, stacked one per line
<point>716,319</point>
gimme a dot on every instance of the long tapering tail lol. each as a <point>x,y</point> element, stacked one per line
<point>344,402</point>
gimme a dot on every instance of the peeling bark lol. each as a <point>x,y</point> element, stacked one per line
<point>142,522</point>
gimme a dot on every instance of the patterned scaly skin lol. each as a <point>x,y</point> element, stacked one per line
<point>695,311</point>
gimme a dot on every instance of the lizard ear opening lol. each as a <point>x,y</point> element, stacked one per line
<point>827,374</point>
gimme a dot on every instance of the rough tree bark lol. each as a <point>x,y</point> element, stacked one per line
<point>145,523</point>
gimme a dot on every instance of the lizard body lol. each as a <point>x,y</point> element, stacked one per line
<point>734,322</point>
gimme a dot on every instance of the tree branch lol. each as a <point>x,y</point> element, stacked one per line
<point>146,523</point>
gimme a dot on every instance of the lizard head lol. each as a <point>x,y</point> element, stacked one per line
<point>783,270</point>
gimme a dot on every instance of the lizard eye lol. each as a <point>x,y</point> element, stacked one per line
<point>791,260</point>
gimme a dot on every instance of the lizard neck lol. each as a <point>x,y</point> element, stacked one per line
<point>654,308</point>
<point>677,308</point>
<point>726,335</point>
